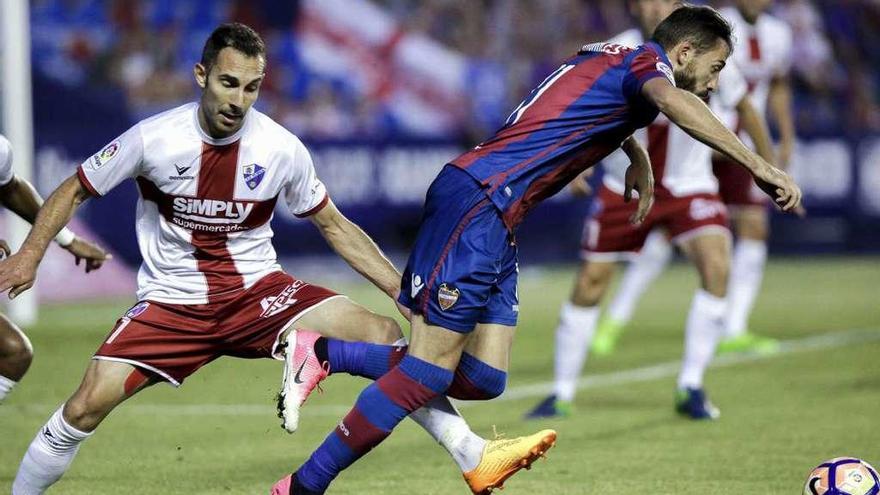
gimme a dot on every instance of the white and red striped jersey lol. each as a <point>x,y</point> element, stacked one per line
<point>762,52</point>
<point>205,204</point>
<point>682,165</point>
<point>6,172</point>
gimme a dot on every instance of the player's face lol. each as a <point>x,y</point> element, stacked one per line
<point>229,90</point>
<point>650,13</point>
<point>698,72</point>
<point>752,9</point>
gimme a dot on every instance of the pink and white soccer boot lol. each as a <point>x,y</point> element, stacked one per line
<point>302,373</point>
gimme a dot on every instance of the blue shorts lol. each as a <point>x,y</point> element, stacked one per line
<point>462,269</point>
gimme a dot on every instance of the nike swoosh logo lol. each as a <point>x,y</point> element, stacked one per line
<point>182,170</point>
<point>296,377</point>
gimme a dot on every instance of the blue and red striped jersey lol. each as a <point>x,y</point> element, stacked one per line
<point>579,114</point>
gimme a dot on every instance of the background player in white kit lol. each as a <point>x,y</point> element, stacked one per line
<point>687,209</point>
<point>19,196</point>
<point>209,175</point>
<point>763,55</point>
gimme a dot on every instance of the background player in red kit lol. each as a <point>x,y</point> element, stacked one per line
<point>19,196</point>
<point>461,276</point>
<point>209,176</point>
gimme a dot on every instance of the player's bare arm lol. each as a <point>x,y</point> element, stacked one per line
<point>639,177</point>
<point>357,249</point>
<point>691,114</point>
<point>17,273</point>
<point>779,102</point>
<point>755,126</point>
<point>20,197</point>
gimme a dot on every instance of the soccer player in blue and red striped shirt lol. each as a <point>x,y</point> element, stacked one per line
<point>460,281</point>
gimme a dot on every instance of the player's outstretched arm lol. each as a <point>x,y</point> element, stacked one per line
<point>357,249</point>
<point>17,273</point>
<point>20,197</point>
<point>639,177</point>
<point>692,115</point>
<point>756,127</point>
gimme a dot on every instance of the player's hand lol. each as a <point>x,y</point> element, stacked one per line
<point>641,179</point>
<point>18,272</point>
<point>579,187</point>
<point>93,255</point>
<point>4,249</point>
<point>781,187</point>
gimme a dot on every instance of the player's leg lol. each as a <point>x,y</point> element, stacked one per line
<point>608,237</point>
<point>638,276</point>
<point>577,324</point>
<point>748,210</point>
<point>482,375</point>
<point>378,348</point>
<point>751,224</point>
<point>423,374</point>
<point>710,253</point>
<point>106,384</point>
<point>16,354</point>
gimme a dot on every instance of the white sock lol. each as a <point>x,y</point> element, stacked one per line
<point>48,457</point>
<point>647,266</point>
<point>746,273</point>
<point>6,386</point>
<point>704,328</point>
<point>573,337</point>
<point>440,418</point>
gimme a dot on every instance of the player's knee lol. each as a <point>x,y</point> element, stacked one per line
<point>753,227</point>
<point>17,353</point>
<point>87,408</point>
<point>476,380</point>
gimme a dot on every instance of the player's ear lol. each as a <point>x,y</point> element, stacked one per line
<point>201,75</point>
<point>684,53</point>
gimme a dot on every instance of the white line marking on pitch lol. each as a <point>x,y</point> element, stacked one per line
<point>635,375</point>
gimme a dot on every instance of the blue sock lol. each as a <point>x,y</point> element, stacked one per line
<point>476,380</point>
<point>362,359</point>
<point>379,408</point>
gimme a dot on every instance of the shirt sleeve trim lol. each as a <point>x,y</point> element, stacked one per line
<point>320,206</point>
<point>86,183</point>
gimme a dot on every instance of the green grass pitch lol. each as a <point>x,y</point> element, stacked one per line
<point>780,416</point>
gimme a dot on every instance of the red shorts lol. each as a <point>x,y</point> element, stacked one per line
<point>736,186</point>
<point>175,340</point>
<point>608,234</point>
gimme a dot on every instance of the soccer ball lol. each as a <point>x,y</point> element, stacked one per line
<point>843,476</point>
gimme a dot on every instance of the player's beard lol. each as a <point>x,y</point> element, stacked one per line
<point>686,79</point>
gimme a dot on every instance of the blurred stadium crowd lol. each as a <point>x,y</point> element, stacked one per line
<point>427,68</point>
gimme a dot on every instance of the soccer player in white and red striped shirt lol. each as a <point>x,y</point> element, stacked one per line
<point>209,175</point>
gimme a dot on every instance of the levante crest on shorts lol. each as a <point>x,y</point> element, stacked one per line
<point>447,296</point>
<point>253,175</point>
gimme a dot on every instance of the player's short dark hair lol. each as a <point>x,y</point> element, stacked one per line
<point>701,25</point>
<point>232,35</point>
